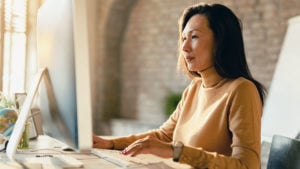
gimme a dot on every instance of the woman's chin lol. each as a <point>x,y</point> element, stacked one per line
<point>192,69</point>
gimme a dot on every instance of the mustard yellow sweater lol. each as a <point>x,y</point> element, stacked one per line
<point>219,122</point>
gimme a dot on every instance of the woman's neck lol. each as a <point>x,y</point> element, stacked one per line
<point>210,77</point>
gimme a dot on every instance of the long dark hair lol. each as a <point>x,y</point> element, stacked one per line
<point>229,53</point>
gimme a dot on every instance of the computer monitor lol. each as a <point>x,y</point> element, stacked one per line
<point>62,48</point>
<point>63,81</point>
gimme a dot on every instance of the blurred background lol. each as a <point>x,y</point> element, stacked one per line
<point>134,54</point>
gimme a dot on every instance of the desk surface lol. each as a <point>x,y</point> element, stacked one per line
<point>46,145</point>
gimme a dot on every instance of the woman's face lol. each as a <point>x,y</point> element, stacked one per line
<point>197,44</point>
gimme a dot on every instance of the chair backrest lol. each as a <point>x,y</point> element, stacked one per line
<point>284,153</point>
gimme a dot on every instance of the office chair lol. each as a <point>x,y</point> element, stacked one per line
<point>284,153</point>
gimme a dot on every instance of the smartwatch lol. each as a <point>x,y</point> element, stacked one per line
<point>177,149</point>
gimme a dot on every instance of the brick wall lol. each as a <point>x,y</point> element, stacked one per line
<point>134,67</point>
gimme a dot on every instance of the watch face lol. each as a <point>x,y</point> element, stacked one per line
<point>177,148</point>
<point>178,144</point>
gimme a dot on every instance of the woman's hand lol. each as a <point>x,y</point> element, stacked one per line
<point>99,142</point>
<point>149,145</point>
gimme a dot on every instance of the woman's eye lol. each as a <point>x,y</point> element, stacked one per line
<point>194,37</point>
<point>183,38</point>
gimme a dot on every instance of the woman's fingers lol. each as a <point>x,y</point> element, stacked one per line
<point>149,145</point>
<point>137,147</point>
<point>133,150</point>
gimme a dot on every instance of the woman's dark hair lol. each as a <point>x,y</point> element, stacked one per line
<point>229,55</point>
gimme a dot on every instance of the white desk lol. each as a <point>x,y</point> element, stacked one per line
<point>44,145</point>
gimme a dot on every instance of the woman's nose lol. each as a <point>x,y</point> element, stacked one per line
<point>186,45</point>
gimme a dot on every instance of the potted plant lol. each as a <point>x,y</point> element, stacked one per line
<point>171,102</point>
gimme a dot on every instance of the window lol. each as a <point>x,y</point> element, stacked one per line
<point>17,23</point>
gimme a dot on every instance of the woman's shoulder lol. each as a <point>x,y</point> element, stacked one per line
<point>241,83</point>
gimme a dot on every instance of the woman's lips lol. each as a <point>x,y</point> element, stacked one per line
<point>189,58</point>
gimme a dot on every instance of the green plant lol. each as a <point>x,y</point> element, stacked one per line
<point>6,102</point>
<point>171,102</point>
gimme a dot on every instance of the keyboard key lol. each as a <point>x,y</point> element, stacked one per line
<point>66,161</point>
<point>119,159</point>
<point>63,161</point>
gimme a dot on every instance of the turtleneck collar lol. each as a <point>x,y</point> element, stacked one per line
<point>210,77</point>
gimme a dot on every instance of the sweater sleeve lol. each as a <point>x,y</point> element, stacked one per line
<point>244,124</point>
<point>164,133</point>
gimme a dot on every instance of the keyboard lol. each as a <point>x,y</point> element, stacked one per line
<point>63,161</point>
<point>119,159</point>
<point>66,161</point>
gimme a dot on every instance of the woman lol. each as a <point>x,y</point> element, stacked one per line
<point>218,120</point>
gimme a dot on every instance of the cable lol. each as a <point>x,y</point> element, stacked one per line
<point>5,145</point>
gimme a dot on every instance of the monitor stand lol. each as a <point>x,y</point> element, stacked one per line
<point>23,116</point>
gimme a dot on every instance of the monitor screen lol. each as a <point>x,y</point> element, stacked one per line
<point>281,110</point>
<point>64,93</point>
